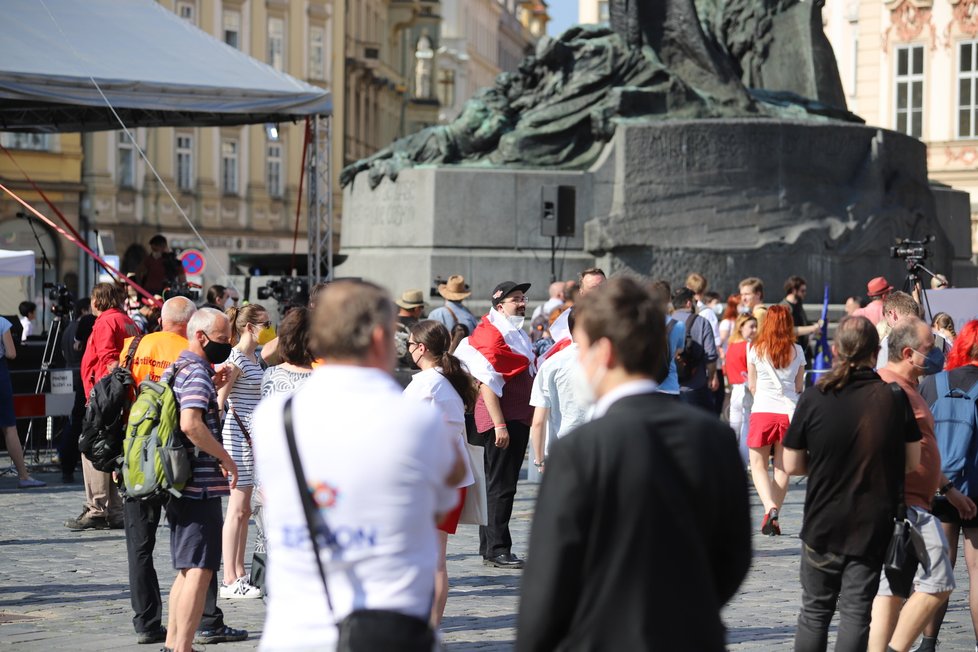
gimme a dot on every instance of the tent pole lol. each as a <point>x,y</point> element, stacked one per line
<point>320,235</point>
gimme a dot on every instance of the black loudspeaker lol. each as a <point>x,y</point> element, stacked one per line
<point>558,214</point>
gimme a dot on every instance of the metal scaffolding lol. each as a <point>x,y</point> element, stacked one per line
<point>320,216</point>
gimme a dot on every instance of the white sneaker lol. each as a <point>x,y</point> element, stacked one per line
<point>240,588</point>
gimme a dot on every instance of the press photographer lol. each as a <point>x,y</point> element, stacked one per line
<point>160,269</point>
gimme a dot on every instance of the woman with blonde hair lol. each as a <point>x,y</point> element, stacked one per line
<point>250,328</point>
<point>775,377</point>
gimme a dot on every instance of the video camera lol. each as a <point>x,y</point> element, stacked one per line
<point>188,290</point>
<point>62,302</point>
<point>913,251</point>
<point>287,291</point>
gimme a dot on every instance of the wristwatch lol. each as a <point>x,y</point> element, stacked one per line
<point>946,488</point>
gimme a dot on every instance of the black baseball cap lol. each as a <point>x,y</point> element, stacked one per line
<point>505,289</point>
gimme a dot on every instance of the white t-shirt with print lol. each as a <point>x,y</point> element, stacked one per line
<point>376,462</point>
<point>554,388</point>
<point>775,391</point>
<point>430,386</point>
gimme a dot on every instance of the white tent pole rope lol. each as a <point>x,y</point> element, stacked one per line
<point>142,154</point>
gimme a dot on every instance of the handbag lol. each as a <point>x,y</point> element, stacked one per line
<point>906,549</point>
<point>475,509</point>
<point>364,630</point>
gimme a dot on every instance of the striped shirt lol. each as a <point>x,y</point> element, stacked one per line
<point>194,389</point>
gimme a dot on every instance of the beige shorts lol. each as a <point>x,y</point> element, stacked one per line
<point>936,576</point>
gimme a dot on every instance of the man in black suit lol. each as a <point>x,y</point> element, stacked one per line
<point>642,526</point>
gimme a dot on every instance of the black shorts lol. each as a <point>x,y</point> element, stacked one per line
<point>195,532</point>
<point>946,513</point>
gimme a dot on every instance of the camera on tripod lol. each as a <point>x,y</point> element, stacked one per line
<point>287,291</point>
<point>62,302</point>
<point>186,290</point>
<point>913,251</point>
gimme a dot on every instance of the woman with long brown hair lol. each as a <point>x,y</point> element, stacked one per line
<point>775,377</point>
<point>444,383</point>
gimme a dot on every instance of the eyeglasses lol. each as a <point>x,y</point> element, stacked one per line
<point>410,344</point>
<point>515,300</point>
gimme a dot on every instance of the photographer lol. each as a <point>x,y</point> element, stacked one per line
<point>160,269</point>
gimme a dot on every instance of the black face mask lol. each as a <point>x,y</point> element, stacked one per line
<point>216,352</point>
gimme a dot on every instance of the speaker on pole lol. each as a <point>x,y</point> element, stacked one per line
<point>558,211</point>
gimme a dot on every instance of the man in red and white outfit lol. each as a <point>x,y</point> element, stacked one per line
<point>499,354</point>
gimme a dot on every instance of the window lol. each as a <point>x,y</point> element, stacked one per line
<point>317,49</point>
<point>276,43</point>
<point>185,162</point>
<point>446,87</point>
<point>967,76</point>
<point>910,90</point>
<point>127,161</point>
<point>36,142</point>
<point>187,11</point>
<point>232,28</point>
<point>229,166</point>
<point>273,170</point>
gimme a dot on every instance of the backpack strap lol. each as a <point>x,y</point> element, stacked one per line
<point>131,353</point>
<point>452,313</point>
<point>902,400</point>
<point>308,506</point>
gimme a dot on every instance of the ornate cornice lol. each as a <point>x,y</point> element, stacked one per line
<point>908,20</point>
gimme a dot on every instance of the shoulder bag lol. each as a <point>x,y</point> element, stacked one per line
<point>364,630</point>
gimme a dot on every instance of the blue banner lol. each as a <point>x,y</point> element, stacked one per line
<point>823,351</point>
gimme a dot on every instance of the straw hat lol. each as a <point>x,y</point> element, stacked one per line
<point>455,288</point>
<point>411,299</point>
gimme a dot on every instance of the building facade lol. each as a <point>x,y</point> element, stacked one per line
<point>592,11</point>
<point>911,66</point>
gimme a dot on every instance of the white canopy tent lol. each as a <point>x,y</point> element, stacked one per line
<point>16,263</point>
<point>154,68</point>
<point>67,65</point>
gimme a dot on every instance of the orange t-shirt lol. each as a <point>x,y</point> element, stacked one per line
<point>155,353</point>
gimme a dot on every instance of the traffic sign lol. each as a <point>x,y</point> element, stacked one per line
<point>193,261</point>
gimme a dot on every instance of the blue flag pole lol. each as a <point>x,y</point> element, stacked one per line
<point>823,352</point>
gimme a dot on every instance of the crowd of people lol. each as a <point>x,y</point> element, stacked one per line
<point>644,407</point>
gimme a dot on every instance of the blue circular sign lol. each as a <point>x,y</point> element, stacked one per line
<point>193,261</point>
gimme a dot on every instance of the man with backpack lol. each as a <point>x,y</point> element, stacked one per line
<point>195,517</point>
<point>697,363</point>
<point>952,396</point>
<point>103,504</point>
<point>153,355</point>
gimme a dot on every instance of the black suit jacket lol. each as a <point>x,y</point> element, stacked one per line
<point>641,533</point>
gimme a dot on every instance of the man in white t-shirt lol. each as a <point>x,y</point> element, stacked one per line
<point>558,406</point>
<point>382,469</point>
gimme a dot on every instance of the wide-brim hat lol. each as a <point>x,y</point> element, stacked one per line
<point>454,289</point>
<point>505,289</point>
<point>878,286</point>
<point>411,299</point>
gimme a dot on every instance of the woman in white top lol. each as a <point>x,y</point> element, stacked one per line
<point>775,376</point>
<point>444,383</point>
<point>250,328</point>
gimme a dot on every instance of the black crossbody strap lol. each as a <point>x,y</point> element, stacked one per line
<point>131,353</point>
<point>904,402</point>
<point>308,506</point>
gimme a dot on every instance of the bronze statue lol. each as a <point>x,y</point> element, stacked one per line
<point>658,59</point>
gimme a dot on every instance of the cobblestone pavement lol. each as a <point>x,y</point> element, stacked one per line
<point>68,590</point>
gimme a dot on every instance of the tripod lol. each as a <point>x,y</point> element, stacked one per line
<point>54,335</point>
<point>913,286</point>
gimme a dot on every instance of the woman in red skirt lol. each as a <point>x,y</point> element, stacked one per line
<point>775,377</point>
<point>444,383</point>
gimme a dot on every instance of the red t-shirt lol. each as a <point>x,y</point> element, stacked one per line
<point>924,481</point>
<point>735,363</point>
<point>109,334</point>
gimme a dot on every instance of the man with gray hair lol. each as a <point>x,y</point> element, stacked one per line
<point>895,624</point>
<point>380,524</point>
<point>196,518</point>
<point>896,306</point>
<point>154,354</point>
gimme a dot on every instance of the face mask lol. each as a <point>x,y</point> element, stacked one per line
<point>718,309</point>
<point>228,303</point>
<point>216,352</point>
<point>742,309</point>
<point>933,361</point>
<point>517,321</point>
<point>266,335</point>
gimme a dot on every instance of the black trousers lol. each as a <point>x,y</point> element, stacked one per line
<point>829,582</point>
<point>502,473</point>
<point>68,450</point>
<point>142,519</point>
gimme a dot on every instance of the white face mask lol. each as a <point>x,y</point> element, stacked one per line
<point>517,321</point>
<point>742,309</point>
<point>718,309</point>
<point>228,303</point>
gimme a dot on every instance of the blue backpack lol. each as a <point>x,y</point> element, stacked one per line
<point>956,427</point>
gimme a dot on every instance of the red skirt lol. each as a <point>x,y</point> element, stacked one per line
<point>450,523</point>
<point>766,428</point>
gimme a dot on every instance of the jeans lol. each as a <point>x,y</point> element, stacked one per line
<point>700,397</point>
<point>502,473</point>
<point>142,519</point>
<point>827,579</point>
